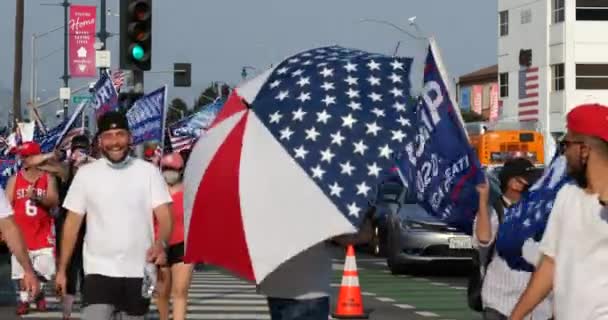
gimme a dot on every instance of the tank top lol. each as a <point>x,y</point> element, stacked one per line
<point>34,221</point>
<point>177,211</point>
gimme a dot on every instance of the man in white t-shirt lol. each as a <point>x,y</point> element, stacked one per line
<point>9,233</point>
<point>118,194</point>
<point>575,243</point>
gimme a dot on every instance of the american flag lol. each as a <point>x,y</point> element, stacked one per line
<point>180,141</point>
<point>186,131</point>
<point>528,94</point>
<point>118,79</point>
<point>343,115</point>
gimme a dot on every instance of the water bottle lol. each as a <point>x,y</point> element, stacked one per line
<point>149,281</point>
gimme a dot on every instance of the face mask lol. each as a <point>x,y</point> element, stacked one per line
<point>119,165</point>
<point>172,177</point>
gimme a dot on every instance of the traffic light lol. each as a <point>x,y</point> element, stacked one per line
<point>136,35</point>
<point>182,74</point>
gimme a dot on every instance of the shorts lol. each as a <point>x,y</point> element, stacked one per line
<point>175,254</point>
<point>123,294</point>
<point>43,261</point>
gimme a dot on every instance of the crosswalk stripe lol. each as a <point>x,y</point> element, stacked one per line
<point>212,295</point>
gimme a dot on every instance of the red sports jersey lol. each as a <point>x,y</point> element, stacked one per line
<point>34,221</point>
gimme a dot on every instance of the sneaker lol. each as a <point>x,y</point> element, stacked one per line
<point>41,304</point>
<point>23,308</point>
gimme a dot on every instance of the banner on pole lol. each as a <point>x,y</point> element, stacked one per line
<point>82,41</point>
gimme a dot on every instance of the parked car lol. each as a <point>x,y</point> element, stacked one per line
<point>415,237</point>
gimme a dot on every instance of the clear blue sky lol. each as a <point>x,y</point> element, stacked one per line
<point>219,37</point>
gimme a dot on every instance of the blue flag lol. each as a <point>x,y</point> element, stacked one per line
<point>440,166</point>
<point>527,220</point>
<point>8,167</point>
<point>105,95</point>
<point>55,136</point>
<point>147,116</point>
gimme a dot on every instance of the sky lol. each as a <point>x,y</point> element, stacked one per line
<point>220,37</point>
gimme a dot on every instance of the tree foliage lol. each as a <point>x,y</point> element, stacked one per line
<point>208,95</point>
<point>178,109</point>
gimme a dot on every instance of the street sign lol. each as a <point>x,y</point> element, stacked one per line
<point>80,99</point>
<point>102,58</point>
<point>64,93</point>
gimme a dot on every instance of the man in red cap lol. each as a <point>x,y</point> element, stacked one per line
<point>575,243</point>
<point>33,193</point>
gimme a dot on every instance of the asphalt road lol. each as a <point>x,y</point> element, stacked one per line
<point>430,292</point>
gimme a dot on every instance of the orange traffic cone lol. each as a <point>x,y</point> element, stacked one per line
<point>350,303</point>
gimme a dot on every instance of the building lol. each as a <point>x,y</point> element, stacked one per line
<point>552,56</point>
<point>478,92</point>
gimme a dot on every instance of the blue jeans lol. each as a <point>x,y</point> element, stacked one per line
<point>290,309</point>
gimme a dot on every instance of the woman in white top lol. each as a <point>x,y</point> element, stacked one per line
<point>502,285</point>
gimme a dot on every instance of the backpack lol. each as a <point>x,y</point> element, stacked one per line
<point>479,268</point>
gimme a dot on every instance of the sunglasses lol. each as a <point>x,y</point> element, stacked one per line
<point>565,144</point>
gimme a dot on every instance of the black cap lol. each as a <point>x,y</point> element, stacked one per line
<point>518,167</point>
<point>80,142</point>
<point>112,120</point>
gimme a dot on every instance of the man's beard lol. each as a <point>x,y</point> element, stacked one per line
<point>116,162</point>
<point>579,174</point>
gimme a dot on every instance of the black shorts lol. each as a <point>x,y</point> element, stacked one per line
<point>175,254</point>
<point>122,293</point>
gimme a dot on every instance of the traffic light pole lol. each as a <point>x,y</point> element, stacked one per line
<point>138,81</point>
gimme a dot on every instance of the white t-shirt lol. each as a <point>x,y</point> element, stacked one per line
<point>305,276</point>
<point>5,208</point>
<point>577,239</point>
<point>118,204</point>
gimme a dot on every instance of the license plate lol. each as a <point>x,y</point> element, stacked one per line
<point>460,243</point>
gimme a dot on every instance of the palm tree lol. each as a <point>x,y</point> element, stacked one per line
<point>18,59</point>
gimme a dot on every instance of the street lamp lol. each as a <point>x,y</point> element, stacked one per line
<point>390,24</point>
<point>244,71</point>
<point>34,66</point>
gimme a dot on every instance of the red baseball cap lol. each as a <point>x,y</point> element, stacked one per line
<point>589,120</point>
<point>29,148</point>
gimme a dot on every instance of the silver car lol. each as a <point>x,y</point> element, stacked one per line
<point>414,237</point>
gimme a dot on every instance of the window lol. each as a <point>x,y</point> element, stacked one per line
<point>526,16</point>
<point>504,23</point>
<point>504,84</point>
<point>558,11</point>
<point>558,77</point>
<point>592,10</point>
<point>592,76</point>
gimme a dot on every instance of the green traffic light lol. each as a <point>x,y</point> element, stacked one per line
<point>137,52</point>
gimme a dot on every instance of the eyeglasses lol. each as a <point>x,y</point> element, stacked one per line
<point>565,144</point>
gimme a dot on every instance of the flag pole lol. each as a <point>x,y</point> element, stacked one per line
<point>448,85</point>
<point>164,117</point>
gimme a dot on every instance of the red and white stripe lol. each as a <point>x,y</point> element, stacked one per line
<point>118,79</point>
<point>529,105</point>
<point>245,195</point>
<point>180,143</point>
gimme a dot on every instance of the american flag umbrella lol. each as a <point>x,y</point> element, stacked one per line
<point>294,156</point>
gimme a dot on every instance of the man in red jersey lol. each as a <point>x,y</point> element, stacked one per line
<point>33,193</point>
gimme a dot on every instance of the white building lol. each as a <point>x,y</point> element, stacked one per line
<point>552,56</point>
